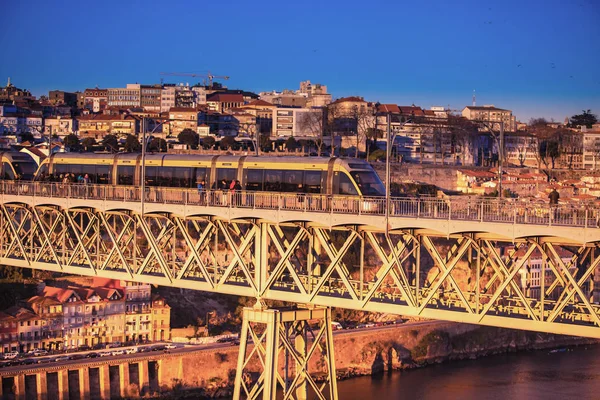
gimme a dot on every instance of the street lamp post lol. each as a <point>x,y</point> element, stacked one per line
<point>208,322</point>
<point>143,172</point>
<point>391,139</point>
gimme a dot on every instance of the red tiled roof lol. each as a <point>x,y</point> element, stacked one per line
<point>106,283</point>
<point>391,108</point>
<point>59,293</point>
<point>225,98</point>
<point>411,110</point>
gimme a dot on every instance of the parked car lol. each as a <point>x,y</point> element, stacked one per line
<point>11,355</point>
<point>84,348</point>
<point>159,347</point>
<point>61,358</point>
<point>170,346</point>
<point>131,350</point>
<point>77,357</point>
<point>40,352</point>
<point>118,352</point>
<point>105,353</point>
<point>114,345</point>
<point>99,346</point>
<point>92,355</point>
<point>145,349</point>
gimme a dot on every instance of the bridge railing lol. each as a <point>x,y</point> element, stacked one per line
<point>464,208</point>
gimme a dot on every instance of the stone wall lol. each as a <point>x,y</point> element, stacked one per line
<point>444,177</point>
<point>211,373</point>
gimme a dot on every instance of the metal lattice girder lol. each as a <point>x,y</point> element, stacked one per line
<point>471,277</point>
<point>278,336</point>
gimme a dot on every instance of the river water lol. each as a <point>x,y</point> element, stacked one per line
<point>574,374</point>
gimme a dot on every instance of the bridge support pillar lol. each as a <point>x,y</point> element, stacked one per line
<point>104,376</point>
<point>279,338</point>
<point>20,387</point>
<point>63,384</point>
<point>124,379</point>
<point>42,386</point>
<point>144,378</point>
<point>84,383</point>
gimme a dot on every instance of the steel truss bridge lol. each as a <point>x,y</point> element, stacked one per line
<point>482,261</point>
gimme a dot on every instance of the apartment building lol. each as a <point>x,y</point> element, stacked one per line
<point>99,125</point>
<point>221,102</point>
<point>493,116</point>
<point>591,147</point>
<point>77,316</point>
<point>129,96</point>
<point>95,100</point>
<point>60,126</point>
<point>150,97</point>
<point>181,118</point>
<point>521,149</point>
<point>297,122</point>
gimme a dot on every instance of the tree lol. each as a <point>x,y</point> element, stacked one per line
<point>26,137</point>
<point>265,143</point>
<point>291,144</point>
<point>537,122</point>
<point>313,123</point>
<point>189,137</point>
<point>250,130</point>
<point>158,145</point>
<point>71,142</point>
<point>110,143</point>
<point>549,148</point>
<point>227,142</point>
<point>132,144</point>
<point>364,121</point>
<point>88,143</point>
<point>586,119</point>
<point>208,142</point>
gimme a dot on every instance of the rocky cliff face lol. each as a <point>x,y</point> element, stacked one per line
<point>211,373</point>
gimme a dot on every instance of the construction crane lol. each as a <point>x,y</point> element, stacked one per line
<point>208,76</point>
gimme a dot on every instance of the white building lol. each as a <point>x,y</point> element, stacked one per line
<point>591,147</point>
<point>297,122</point>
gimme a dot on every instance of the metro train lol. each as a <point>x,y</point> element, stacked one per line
<point>17,165</point>
<point>274,174</point>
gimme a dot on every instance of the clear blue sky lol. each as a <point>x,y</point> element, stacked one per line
<point>538,58</point>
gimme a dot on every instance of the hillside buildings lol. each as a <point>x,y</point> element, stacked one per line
<point>69,317</point>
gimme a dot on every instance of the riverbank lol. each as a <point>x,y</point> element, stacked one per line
<point>210,374</point>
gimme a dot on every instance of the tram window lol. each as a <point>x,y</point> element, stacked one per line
<point>165,176</point>
<point>8,171</point>
<point>182,177</point>
<point>273,180</point>
<point>61,169</point>
<point>292,181</point>
<point>103,174</point>
<point>200,175</point>
<point>151,176</point>
<point>343,185</point>
<point>228,174</point>
<point>254,179</point>
<point>312,181</point>
<point>24,170</point>
<point>125,175</point>
<point>368,183</point>
<point>90,170</point>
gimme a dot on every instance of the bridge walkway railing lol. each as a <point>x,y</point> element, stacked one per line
<point>459,208</point>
